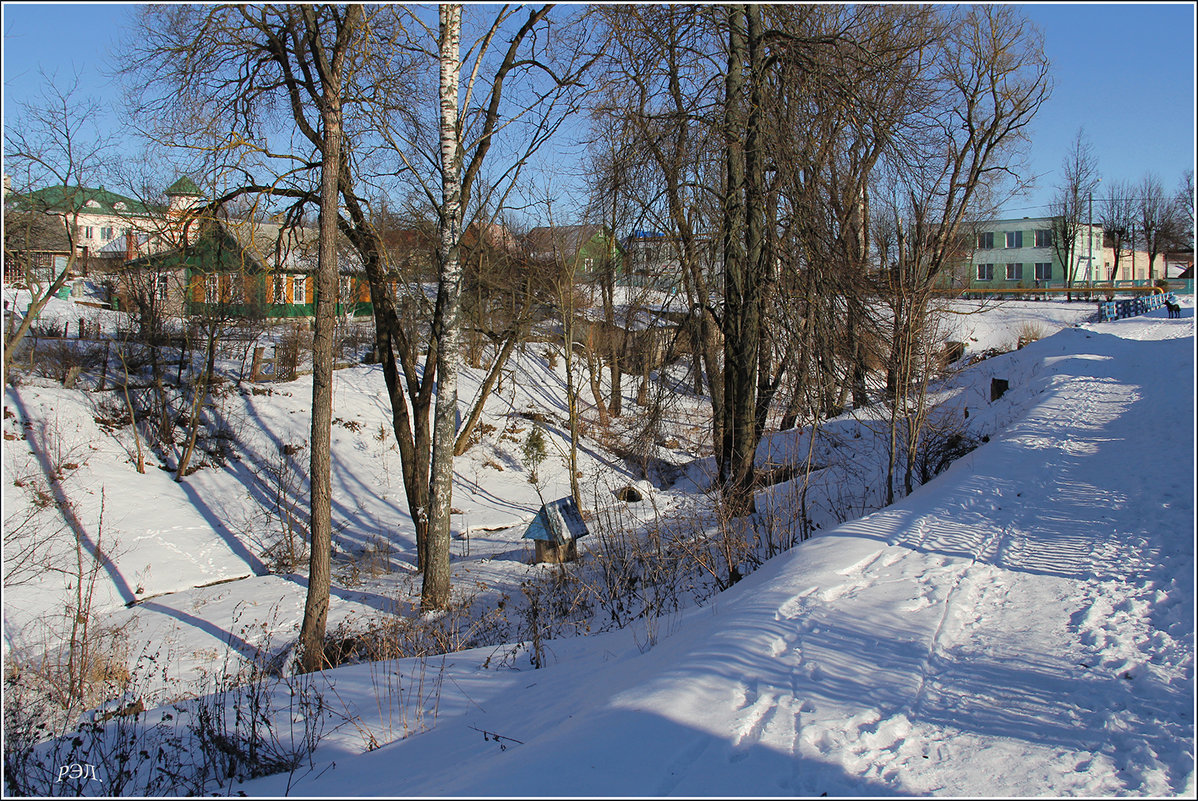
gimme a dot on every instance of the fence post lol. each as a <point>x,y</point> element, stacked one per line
<point>257,363</point>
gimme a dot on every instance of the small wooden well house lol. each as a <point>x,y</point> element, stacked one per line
<point>556,530</point>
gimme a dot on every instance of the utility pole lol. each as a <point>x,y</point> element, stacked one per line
<point>1090,234</point>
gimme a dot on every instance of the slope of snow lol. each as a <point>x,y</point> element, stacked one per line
<point>1023,625</point>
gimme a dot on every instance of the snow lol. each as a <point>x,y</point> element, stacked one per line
<point>1022,625</point>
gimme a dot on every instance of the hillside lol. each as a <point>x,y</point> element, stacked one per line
<point>1021,625</point>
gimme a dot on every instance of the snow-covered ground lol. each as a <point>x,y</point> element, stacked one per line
<point>1021,625</point>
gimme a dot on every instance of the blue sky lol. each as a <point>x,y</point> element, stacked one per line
<point>1123,72</point>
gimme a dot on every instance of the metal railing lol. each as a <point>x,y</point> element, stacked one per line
<point>1131,307</point>
<point>1078,291</point>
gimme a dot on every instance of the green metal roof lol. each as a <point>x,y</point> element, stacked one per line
<point>184,187</point>
<point>70,199</point>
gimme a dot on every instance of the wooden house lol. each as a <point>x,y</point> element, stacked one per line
<point>247,268</point>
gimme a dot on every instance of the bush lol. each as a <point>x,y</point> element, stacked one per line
<point>406,633</point>
<point>1029,332</point>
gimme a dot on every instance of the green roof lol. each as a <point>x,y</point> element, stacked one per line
<point>184,187</point>
<point>66,199</point>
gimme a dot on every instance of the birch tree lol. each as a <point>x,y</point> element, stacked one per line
<point>531,86</point>
<point>435,590</point>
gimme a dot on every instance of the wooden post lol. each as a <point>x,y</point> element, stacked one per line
<point>257,363</point>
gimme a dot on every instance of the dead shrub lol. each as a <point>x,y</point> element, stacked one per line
<point>1029,332</point>
<point>280,528</point>
<point>66,359</point>
<point>407,633</point>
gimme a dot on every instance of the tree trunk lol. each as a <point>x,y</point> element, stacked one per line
<point>199,397</point>
<point>484,392</point>
<point>316,604</point>
<point>435,593</point>
<point>743,254</point>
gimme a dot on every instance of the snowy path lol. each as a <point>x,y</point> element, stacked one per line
<point>1026,617</point>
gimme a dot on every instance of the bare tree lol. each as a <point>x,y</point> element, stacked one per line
<point>1185,202</point>
<point>661,96</point>
<point>549,82</point>
<point>1160,219</point>
<point>55,152</point>
<point>1117,214</point>
<point>447,324</point>
<point>328,34</point>
<point>1070,206</point>
<point>990,78</point>
<point>221,71</point>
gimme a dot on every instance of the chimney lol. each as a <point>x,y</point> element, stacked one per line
<point>130,245</point>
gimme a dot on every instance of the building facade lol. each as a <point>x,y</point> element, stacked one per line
<point>1023,254</point>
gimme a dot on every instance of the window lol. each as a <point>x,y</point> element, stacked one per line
<point>106,232</point>
<point>163,289</point>
<point>1043,237</point>
<point>300,293</point>
<point>88,232</point>
<point>280,289</point>
<point>1043,271</point>
<point>1014,239</point>
<point>211,288</point>
<point>588,264</point>
<point>1015,271</point>
<point>986,241</point>
<point>985,272</point>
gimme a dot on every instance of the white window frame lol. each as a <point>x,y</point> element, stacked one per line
<point>1043,271</point>
<point>986,240</point>
<point>1014,239</point>
<point>985,272</point>
<point>299,290</point>
<point>1014,271</point>
<point>1043,237</point>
